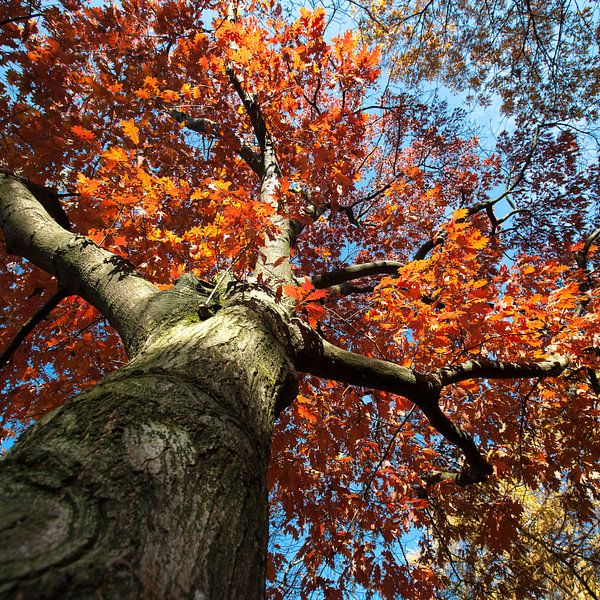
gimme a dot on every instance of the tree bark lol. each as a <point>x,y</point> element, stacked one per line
<point>152,483</point>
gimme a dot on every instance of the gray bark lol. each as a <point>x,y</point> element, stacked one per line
<point>105,280</point>
<point>152,483</point>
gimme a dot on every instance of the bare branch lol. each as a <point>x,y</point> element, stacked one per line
<point>344,274</point>
<point>20,18</point>
<point>497,369</point>
<point>43,311</point>
<point>486,205</point>
<point>510,188</point>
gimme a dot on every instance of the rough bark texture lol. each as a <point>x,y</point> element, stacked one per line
<point>152,483</point>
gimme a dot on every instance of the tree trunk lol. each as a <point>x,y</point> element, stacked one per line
<point>152,483</point>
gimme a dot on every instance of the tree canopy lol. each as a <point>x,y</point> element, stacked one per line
<point>455,284</point>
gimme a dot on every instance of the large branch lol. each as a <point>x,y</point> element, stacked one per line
<point>105,280</point>
<point>320,358</point>
<point>264,164</point>
<point>497,369</point>
<point>323,359</point>
<point>352,272</point>
<point>338,280</point>
<point>273,262</point>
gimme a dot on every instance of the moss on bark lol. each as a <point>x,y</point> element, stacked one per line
<point>152,483</point>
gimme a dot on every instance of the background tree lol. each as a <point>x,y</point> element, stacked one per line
<point>547,550</point>
<point>539,57</point>
<point>214,203</point>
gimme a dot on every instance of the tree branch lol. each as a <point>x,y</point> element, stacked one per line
<point>103,279</point>
<point>43,311</point>
<point>20,18</point>
<point>211,128</point>
<point>319,357</point>
<point>486,205</point>
<point>273,263</point>
<point>356,271</point>
<point>252,109</point>
<point>581,259</point>
<point>497,369</point>
<point>323,359</point>
<point>347,289</point>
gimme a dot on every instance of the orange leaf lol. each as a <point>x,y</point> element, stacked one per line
<point>343,459</point>
<point>306,414</point>
<point>316,311</point>
<point>316,295</point>
<point>292,291</point>
<point>115,154</point>
<point>82,133</point>
<point>131,131</point>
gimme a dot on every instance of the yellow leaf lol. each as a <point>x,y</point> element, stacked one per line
<point>87,187</point>
<point>478,242</point>
<point>169,95</point>
<point>242,56</point>
<point>115,154</point>
<point>460,214</point>
<point>144,178</point>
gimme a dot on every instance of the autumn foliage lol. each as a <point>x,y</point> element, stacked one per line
<point>130,111</point>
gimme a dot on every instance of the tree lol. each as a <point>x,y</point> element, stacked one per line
<point>551,553</point>
<point>236,253</point>
<point>539,57</point>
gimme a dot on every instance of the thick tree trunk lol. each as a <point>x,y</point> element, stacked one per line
<point>152,484</point>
